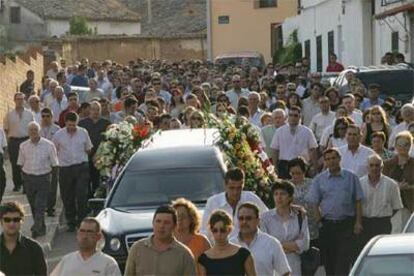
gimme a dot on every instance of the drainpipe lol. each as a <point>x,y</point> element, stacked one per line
<point>149,11</point>
<point>209,32</point>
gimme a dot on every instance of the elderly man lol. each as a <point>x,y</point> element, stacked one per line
<point>37,158</point>
<point>229,200</point>
<point>15,126</point>
<point>382,200</point>
<point>34,103</point>
<point>236,92</point>
<point>354,154</point>
<point>49,95</point>
<point>267,251</point>
<point>59,103</point>
<point>73,147</point>
<point>87,260</point>
<point>267,132</point>
<point>255,112</point>
<point>336,194</point>
<point>292,140</point>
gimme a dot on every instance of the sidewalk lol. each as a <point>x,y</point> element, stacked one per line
<point>52,223</point>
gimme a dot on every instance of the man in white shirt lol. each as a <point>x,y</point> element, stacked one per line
<point>3,150</point>
<point>268,255</point>
<point>15,126</point>
<point>59,103</point>
<point>37,158</point>
<point>255,112</point>
<point>349,102</point>
<point>49,95</point>
<point>87,260</point>
<point>292,140</point>
<point>354,154</point>
<point>382,200</point>
<point>311,104</point>
<point>237,92</point>
<point>34,103</point>
<point>230,200</point>
<point>323,119</point>
<point>407,114</point>
<point>73,147</point>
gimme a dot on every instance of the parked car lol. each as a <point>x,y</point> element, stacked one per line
<point>409,226</point>
<point>386,255</point>
<point>237,58</point>
<point>176,163</point>
<point>396,81</point>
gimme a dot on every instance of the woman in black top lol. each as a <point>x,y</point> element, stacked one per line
<point>224,258</point>
<point>377,122</point>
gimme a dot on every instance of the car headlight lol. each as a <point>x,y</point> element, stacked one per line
<point>115,244</point>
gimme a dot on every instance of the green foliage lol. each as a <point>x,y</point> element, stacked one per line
<point>291,52</point>
<point>78,25</point>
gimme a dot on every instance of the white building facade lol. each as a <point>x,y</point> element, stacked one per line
<point>359,32</point>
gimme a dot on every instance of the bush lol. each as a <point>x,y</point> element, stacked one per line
<point>78,25</point>
<point>291,52</point>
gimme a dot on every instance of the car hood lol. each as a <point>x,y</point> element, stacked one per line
<point>121,221</point>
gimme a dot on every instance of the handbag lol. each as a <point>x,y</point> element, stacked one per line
<point>311,258</point>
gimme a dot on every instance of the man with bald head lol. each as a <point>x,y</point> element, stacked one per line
<point>236,92</point>
<point>382,200</point>
<point>255,112</point>
<point>37,158</point>
<point>267,132</point>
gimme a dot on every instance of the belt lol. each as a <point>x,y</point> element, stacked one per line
<point>36,175</point>
<point>337,221</point>
<point>75,165</point>
<point>19,138</point>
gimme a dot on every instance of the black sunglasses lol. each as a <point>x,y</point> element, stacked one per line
<point>8,220</point>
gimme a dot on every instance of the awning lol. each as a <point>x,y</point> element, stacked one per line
<point>394,11</point>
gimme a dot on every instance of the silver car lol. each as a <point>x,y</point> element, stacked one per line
<point>386,255</point>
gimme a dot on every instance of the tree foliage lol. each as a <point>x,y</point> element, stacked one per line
<point>78,25</point>
<point>291,52</point>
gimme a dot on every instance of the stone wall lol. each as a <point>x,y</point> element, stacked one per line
<point>13,73</point>
<point>123,49</point>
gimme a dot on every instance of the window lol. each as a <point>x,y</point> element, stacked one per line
<point>389,2</point>
<point>223,19</point>
<point>276,38</point>
<point>307,49</point>
<point>394,42</point>
<point>15,15</point>
<point>265,3</point>
<point>331,42</point>
<point>319,59</point>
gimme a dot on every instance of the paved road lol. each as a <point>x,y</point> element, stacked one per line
<point>63,244</point>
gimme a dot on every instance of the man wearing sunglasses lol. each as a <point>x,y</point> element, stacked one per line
<point>267,251</point>
<point>19,255</point>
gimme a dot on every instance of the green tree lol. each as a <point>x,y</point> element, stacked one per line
<point>78,25</point>
<point>291,52</point>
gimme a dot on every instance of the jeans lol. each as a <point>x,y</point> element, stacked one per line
<point>14,146</point>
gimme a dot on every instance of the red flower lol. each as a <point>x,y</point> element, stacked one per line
<point>141,131</point>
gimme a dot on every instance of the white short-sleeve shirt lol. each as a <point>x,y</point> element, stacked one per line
<point>355,162</point>
<point>320,122</point>
<point>268,255</point>
<point>381,200</point>
<point>290,145</point>
<point>98,264</point>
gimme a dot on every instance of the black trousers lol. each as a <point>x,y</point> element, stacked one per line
<point>14,146</point>
<point>373,227</point>
<point>338,244</point>
<point>2,177</point>
<point>95,178</point>
<point>73,183</point>
<point>51,196</point>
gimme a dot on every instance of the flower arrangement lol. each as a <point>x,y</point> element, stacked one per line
<point>241,144</point>
<point>120,142</point>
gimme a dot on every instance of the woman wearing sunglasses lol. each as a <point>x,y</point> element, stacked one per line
<point>224,258</point>
<point>401,169</point>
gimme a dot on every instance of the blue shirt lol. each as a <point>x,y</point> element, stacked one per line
<point>79,81</point>
<point>367,103</point>
<point>336,195</point>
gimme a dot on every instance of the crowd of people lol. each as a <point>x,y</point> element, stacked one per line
<point>343,155</point>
